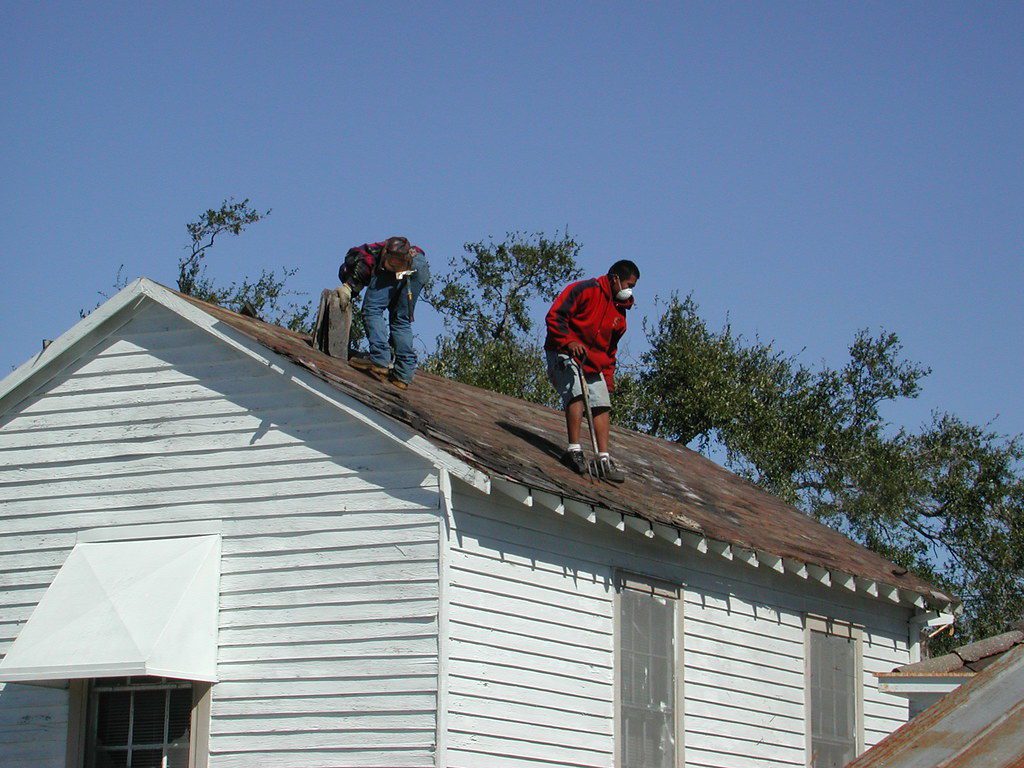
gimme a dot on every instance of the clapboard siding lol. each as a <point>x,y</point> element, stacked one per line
<point>531,622</point>
<point>328,615</point>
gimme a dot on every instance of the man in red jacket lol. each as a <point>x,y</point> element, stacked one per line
<point>584,327</point>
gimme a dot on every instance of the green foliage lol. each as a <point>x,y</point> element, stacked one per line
<point>946,502</point>
<point>488,300</point>
<point>264,296</point>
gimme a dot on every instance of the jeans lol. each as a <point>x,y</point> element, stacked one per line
<point>386,294</point>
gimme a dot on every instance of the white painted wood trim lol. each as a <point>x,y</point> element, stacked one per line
<point>773,562</point>
<point>616,676</point>
<point>78,711</point>
<point>695,540</point>
<point>844,580</point>
<point>70,345</point>
<point>447,504</point>
<point>909,685</point>
<point>640,526</point>
<point>747,556</point>
<point>867,586</point>
<point>615,519</point>
<point>819,574</point>
<point>679,677</point>
<point>669,533</point>
<point>550,501</point>
<point>199,742</point>
<point>586,511</point>
<point>514,491</point>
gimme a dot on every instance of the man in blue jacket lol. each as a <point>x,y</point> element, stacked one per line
<point>393,272</point>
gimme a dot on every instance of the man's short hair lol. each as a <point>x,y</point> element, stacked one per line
<point>624,269</point>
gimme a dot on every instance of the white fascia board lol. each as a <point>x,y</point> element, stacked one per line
<point>308,381</point>
<point>70,345</point>
<point>908,685</point>
<point>933,619</point>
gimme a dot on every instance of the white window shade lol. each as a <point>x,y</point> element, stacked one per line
<point>124,608</point>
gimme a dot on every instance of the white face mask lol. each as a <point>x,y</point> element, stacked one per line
<point>624,295</point>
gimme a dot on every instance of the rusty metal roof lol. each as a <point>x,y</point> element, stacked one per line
<point>979,725</point>
<point>667,483</point>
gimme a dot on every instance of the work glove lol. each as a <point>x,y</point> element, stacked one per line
<point>344,296</point>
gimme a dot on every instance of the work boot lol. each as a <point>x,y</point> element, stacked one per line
<point>402,385</point>
<point>361,363</point>
<point>367,365</point>
<point>575,461</point>
<point>611,472</point>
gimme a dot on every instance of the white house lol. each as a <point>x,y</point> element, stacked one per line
<point>220,547</point>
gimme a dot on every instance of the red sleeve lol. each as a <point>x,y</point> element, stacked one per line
<point>609,371</point>
<point>570,302</point>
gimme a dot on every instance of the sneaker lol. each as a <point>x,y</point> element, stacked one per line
<point>611,472</point>
<point>575,461</point>
<point>403,385</point>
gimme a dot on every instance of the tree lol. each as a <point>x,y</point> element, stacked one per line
<point>263,296</point>
<point>945,501</point>
<point>488,301</point>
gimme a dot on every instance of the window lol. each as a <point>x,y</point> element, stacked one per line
<point>834,692</point>
<point>138,722</point>
<point>647,724</point>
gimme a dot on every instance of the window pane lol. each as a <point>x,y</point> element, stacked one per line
<point>647,682</point>
<point>112,718</point>
<point>147,758</point>
<point>177,757</point>
<point>149,718</point>
<point>179,716</point>
<point>112,759</point>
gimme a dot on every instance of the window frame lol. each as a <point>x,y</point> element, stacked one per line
<point>78,739</point>
<point>624,580</point>
<point>837,628</point>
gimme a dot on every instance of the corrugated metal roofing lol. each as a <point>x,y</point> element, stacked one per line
<point>979,725</point>
<point>668,484</point>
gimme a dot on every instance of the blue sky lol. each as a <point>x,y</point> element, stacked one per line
<point>805,169</point>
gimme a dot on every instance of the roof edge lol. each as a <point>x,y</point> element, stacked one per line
<point>71,344</point>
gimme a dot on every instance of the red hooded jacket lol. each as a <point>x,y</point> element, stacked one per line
<point>586,312</point>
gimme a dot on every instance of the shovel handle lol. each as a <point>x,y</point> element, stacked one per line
<point>586,405</point>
